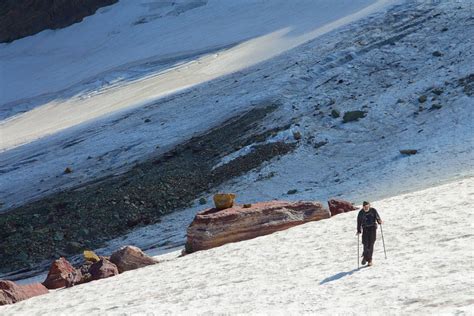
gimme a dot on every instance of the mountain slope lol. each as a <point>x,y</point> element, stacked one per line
<point>408,69</point>
<point>310,268</point>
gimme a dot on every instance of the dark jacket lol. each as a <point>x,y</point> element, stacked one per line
<point>367,219</point>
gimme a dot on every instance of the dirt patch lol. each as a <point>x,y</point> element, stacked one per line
<point>67,222</point>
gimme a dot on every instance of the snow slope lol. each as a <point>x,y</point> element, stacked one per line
<point>132,32</point>
<point>308,269</point>
<point>301,79</point>
<point>280,32</point>
<point>57,85</point>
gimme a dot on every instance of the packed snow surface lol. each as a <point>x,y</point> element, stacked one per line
<point>308,269</point>
<point>384,66</point>
<point>73,103</point>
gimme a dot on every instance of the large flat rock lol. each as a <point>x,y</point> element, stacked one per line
<point>212,227</point>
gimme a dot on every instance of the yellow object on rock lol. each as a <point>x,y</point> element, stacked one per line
<point>89,255</point>
<point>224,200</point>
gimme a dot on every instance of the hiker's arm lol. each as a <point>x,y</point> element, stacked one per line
<point>377,216</point>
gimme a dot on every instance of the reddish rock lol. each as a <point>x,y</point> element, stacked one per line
<point>340,206</point>
<point>61,274</point>
<point>34,289</point>
<point>212,227</point>
<point>102,269</point>
<point>130,258</point>
<point>11,292</point>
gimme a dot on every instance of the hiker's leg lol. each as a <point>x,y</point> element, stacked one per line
<point>371,242</point>
<point>365,242</point>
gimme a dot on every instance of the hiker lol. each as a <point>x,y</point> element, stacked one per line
<point>367,220</point>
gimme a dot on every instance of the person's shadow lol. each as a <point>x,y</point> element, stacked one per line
<point>339,275</point>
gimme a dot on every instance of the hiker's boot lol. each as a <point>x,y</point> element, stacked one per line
<point>364,261</point>
<point>370,263</point>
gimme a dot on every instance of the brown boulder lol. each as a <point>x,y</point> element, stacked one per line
<point>11,292</point>
<point>224,200</point>
<point>213,227</point>
<point>130,258</point>
<point>340,206</point>
<point>61,274</point>
<point>102,269</point>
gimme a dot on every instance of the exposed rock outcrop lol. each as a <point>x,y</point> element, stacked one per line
<point>11,292</point>
<point>213,227</point>
<point>339,206</point>
<point>19,19</point>
<point>130,258</point>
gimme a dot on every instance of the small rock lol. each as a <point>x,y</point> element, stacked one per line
<point>202,201</point>
<point>320,144</point>
<point>147,120</point>
<point>68,170</point>
<point>84,270</point>
<point>437,53</point>
<point>297,135</point>
<point>422,98</point>
<point>89,255</point>
<point>408,151</point>
<point>340,206</point>
<point>335,113</point>
<point>438,91</point>
<point>436,107</point>
<point>224,200</point>
<point>247,205</point>
<point>103,269</point>
<point>292,191</point>
<point>353,116</point>
<point>129,258</point>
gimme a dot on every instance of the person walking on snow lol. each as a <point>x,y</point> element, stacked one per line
<point>367,220</point>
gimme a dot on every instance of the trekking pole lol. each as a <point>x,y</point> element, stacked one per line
<point>358,246</point>
<point>383,241</point>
